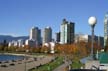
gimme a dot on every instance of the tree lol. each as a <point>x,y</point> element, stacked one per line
<point>106,46</point>
<point>3,45</point>
<point>12,48</point>
<point>35,49</point>
<point>45,49</point>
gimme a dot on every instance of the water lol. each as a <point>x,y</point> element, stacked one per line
<point>84,60</point>
<point>10,57</point>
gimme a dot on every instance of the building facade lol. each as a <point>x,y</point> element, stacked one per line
<point>47,35</point>
<point>20,43</point>
<point>31,43</point>
<point>66,32</point>
<point>105,29</point>
<point>35,34</point>
<point>87,38</point>
<point>17,43</point>
<point>58,37</point>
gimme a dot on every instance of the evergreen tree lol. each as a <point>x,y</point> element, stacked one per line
<point>4,45</point>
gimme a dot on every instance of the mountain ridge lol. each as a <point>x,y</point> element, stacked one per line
<point>9,38</point>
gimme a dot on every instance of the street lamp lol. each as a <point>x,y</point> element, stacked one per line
<point>25,58</point>
<point>92,21</point>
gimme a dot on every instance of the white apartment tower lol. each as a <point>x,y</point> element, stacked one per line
<point>66,32</point>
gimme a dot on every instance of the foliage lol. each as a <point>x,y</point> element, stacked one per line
<point>71,49</point>
<point>95,48</point>
<point>3,45</point>
<point>12,49</point>
<point>106,47</point>
<point>76,64</point>
<point>45,49</point>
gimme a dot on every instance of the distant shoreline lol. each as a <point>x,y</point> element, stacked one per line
<point>16,54</point>
<point>13,54</point>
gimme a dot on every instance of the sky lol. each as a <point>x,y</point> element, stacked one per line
<point>17,17</point>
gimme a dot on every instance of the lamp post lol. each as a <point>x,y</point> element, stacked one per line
<point>92,22</point>
<point>25,58</point>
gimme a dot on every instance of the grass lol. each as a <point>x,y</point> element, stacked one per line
<point>49,66</point>
<point>76,64</point>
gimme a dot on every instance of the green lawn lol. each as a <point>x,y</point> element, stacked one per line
<point>50,66</point>
<point>76,64</point>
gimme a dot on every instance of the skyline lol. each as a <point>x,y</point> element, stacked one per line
<point>17,17</point>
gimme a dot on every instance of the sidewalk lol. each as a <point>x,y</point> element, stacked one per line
<point>62,67</point>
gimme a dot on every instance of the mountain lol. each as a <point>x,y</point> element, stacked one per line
<point>10,38</point>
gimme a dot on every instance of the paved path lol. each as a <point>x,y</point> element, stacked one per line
<point>62,67</point>
<point>29,64</point>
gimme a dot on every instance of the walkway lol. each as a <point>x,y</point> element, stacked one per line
<point>62,67</point>
<point>29,64</point>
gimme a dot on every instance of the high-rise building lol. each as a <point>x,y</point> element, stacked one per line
<point>66,32</point>
<point>35,34</point>
<point>58,37</point>
<point>47,35</point>
<point>105,29</point>
<point>31,43</point>
<point>87,38</point>
<point>20,42</point>
<point>17,43</point>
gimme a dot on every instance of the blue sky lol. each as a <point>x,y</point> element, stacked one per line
<point>18,16</point>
